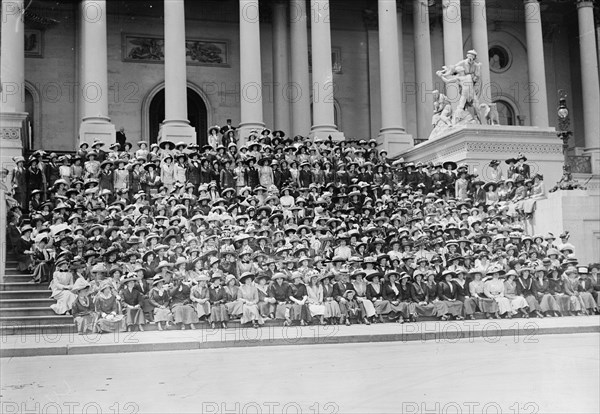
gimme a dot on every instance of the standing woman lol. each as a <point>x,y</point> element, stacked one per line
<point>248,295</point>
<point>167,172</point>
<point>200,298</point>
<point>159,298</point>
<point>461,186</point>
<point>132,301</point>
<point>265,173</point>
<point>179,168</point>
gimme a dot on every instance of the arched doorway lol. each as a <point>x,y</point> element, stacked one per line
<point>197,115</point>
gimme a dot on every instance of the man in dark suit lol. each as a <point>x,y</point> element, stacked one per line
<point>341,286</point>
<point>521,168</point>
<point>121,138</point>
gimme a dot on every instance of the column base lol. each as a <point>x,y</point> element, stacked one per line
<point>99,130</point>
<point>394,141</point>
<point>244,130</point>
<point>11,137</point>
<point>594,154</point>
<point>177,131</point>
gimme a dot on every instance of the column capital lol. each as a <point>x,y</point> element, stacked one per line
<point>584,3</point>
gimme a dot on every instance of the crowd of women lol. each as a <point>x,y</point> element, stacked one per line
<point>298,230</point>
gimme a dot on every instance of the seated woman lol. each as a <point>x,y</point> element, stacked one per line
<point>517,302</point>
<point>353,308</point>
<point>233,305</point>
<point>83,307</point>
<point>360,286</point>
<point>410,312</point>
<point>181,307</point>
<point>448,294</point>
<point>464,294</point>
<point>280,293</point>
<point>541,289</point>
<point>298,296</point>
<point>374,290</point>
<point>159,298</point>
<point>200,298</point>
<point>556,284</point>
<point>424,296</point>
<point>248,295</point>
<point>61,285</point>
<point>585,287</point>
<point>217,298</point>
<point>132,300</point>
<point>315,297</point>
<point>525,289</point>
<point>106,304</point>
<point>391,293</point>
<point>333,314</point>
<point>265,301</point>
<point>493,288</point>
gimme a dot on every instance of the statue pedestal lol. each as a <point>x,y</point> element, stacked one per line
<point>395,142</point>
<point>11,137</point>
<point>177,132</point>
<point>324,135</point>
<point>575,211</point>
<point>97,130</point>
<point>477,145</point>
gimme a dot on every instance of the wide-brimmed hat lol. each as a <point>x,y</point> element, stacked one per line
<point>80,284</point>
<point>245,276</point>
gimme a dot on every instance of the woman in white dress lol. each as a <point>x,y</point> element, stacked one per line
<point>517,302</point>
<point>61,285</point>
<point>315,298</point>
<point>494,289</point>
<point>248,295</point>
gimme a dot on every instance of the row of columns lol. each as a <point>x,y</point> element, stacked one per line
<point>93,65</point>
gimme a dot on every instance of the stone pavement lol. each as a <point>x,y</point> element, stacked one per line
<point>48,343</point>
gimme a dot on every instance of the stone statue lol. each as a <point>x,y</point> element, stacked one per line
<point>442,114</point>
<point>489,113</point>
<point>469,100</point>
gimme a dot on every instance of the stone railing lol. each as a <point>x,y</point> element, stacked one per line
<point>3,223</point>
<point>418,141</point>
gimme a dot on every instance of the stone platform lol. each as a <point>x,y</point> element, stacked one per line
<point>477,145</point>
<point>273,335</point>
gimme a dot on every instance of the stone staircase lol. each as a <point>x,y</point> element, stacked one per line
<point>25,307</point>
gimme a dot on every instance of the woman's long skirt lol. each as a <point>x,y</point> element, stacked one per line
<point>218,313</point>
<point>234,309</point>
<point>469,306</point>
<point>250,313</point>
<point>86,323</point>
<point>316,310</point>
<point>548,304</point>
<point>299,312</point>
<point>134,316</point>
<point>64,302</point>
<point>42,272</point>
<point>587,301</point>
<point>163,315</point>
<point>517,303</point>
<point>567,303</point>
<point>454,307</point>
<point>488,305</point>
<point>532,303</point>
<point>281,311</point>
<point>184,314</point>
<point>265,308</point>
<point>382,307</point>
<point>111,325</point>
<point>332,309</point>
<point>202,309</point>
<point>438,308</point>
<point>367,307</point>
<point>503,305</point>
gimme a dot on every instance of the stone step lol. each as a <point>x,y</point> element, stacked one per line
<point>17,278</point>
<point>13,270</point>
<point>21,286</point>
<point>26,311</point>
<point>44,331</point>
<point>40,293</point>
<point>26,303</point>
<point>34,320</point>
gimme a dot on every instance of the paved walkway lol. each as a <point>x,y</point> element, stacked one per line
<point>48,343</point>
<point>544,374</point>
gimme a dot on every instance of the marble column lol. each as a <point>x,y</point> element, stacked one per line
<point>12,95</point>
<point>281,91</point>
<point>590,82</point>
<point>251,104</point>
<point>322,73</point>
<point>175,127</point>
<point>392,135</point>
<point>537,94</point>
<point>299,88</point>
<point>423,75</point>
<point>452,26</point>
<point>95,122</point>
<point>479,40</point>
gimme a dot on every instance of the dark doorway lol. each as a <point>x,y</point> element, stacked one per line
<point>197,115</point>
